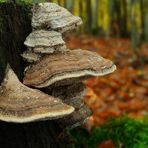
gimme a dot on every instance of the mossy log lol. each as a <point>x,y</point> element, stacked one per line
<point>15,25</point>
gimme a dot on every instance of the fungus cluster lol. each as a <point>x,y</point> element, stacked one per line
<point>53,68</point>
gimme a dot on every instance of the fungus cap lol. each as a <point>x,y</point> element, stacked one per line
<point>52,16</point>
<point>21,104</point>
<point>68,68</point>
<point>43,38</point>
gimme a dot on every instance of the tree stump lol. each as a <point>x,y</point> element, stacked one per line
<point>15,25</point>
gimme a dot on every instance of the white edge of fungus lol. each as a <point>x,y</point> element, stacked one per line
<point>11,76</point>
<point>76,75</point>
<point>48,115</point>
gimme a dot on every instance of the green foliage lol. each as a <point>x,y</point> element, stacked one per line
<point>23,1</point>
<point>128,132</point>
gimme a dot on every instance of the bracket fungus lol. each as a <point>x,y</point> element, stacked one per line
<point>53,17</point>
<point>31,57</point>
<point>59,68</point>
<point>46,42</point>
<point>21,104</point>
<point>56,69</point>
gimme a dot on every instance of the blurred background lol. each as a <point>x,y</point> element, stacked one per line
<point>118,30</point>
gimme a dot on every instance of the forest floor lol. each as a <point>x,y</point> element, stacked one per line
<point>124,92</point>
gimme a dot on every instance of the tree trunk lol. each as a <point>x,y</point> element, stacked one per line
<point>14,27</point>
<point>135,37</point>
<point>117,8</point>
<point>111,19</point>
<point>69,4</point>
<point>59,2</point>
<point>146,23</point>
<point>89,16</point>
<point>124,19</point>
<point>142,11</point>
<point>95,17</point>
<point>81,29</point>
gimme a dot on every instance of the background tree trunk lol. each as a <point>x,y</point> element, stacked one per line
<point>124,19</point>
<point>81,9</point>
<point>89,16</point>
<point>69,4</point>
<point>135,37</point>
<point>14,27</point>
<point>59,2</point>
<point>146,23</point>
<point>95,26</point>
<point>142,10</point>
<point>111,18</point>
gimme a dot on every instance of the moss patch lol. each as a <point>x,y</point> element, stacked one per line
<point>128,132</point>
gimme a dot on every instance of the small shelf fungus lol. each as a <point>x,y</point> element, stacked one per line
<point>46,42</point>
<point>56,69</point>
<point>21,104</point>
<point>68,68</point>
<point>31,57</point>
<point>53,17</point>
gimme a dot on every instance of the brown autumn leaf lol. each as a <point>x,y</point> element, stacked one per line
<point>107,144</point>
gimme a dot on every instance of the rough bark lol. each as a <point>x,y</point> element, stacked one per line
<point>14,27</point>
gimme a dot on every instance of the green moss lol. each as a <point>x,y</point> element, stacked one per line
<point>2,1</point>
<point>131,133</point>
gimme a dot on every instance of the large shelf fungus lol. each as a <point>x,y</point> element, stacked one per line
<point>68,68</point>
<point>53,17</point>
<point>21,104</point>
